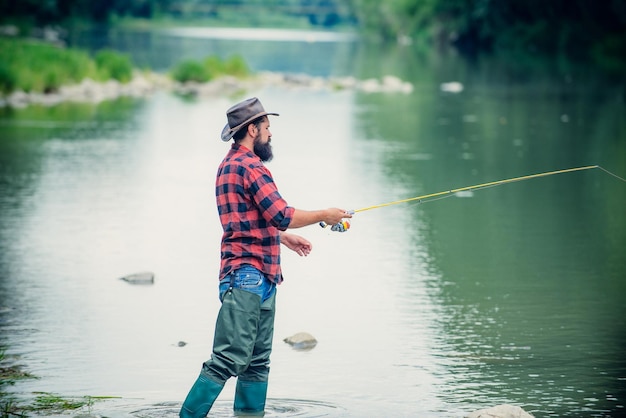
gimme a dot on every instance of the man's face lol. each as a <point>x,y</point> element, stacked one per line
<point>262,142</point>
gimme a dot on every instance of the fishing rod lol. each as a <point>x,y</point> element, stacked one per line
<point>344,225</point>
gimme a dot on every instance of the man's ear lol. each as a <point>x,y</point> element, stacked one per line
<point>251,127</point>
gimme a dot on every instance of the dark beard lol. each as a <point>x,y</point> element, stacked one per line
<point>263,151</point>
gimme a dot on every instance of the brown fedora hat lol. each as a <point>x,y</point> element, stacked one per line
<point>241,114</point>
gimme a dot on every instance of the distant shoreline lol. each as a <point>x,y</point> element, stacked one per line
<point>144,84</point>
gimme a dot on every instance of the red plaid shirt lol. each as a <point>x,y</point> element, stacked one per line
<point>252,213</point>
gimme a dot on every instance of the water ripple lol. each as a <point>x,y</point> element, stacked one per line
<point>274,408</point>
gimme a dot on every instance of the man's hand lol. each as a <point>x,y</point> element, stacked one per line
<point>296,243</point>
<point>333,216</point>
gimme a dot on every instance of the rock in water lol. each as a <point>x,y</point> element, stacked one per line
<point>301,341</point>
<point>145,277</point>
<point>451,87</point>
<point>501,411</point>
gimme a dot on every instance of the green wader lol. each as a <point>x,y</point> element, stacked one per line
<point>241,347</point>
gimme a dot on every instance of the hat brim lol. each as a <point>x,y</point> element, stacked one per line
<point>228,132</point>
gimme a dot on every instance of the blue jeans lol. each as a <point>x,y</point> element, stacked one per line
<point>249,279</point>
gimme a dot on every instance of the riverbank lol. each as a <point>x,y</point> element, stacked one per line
<point>144,84</point>
<point>38,72</point>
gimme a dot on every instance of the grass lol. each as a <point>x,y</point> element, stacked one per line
<point>54,403</point>
<point>46,402</point>
<point>43,403</point>
<point>34,66</point>
<point>10,373</point>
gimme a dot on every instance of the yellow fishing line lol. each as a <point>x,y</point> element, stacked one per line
<point>480,186</point>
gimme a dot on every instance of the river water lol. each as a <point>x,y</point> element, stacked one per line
<point>513,294</point>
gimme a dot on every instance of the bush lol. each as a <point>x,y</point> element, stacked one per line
<point>36,66</point>
<point>190,70</point>
<point>213,66</point>
<point>45,67</point>
<point>236,66</point>
<point>8,80</point>
<point>41,67</point>
<point>111,64</point>
<point>210,68</point>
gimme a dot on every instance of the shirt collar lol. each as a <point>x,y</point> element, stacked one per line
<point>240,149</point>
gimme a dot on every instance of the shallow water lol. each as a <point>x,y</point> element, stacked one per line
<point>505,295</point>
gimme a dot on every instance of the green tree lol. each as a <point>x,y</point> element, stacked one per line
<point>579,28</point>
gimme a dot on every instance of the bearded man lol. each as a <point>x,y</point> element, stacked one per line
<point>254,219</point>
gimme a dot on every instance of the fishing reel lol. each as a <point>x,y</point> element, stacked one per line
<point>341,226</point>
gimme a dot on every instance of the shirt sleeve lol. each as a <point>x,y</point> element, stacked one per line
<point>270,203</point>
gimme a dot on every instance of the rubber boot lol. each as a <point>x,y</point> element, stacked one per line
<point>250,398</point>
<point>200,398</point>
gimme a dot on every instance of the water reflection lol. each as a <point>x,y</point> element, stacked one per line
<point>312,53</point>
<point>523,275</point>
<point>261,34</point>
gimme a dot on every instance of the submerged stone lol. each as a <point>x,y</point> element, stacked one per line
<point>145,277</point>
<point>301,341</point>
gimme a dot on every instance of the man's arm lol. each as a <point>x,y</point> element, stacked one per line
<point>330,216</point>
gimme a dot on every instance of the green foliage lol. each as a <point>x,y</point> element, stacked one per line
<point>113,65</point>
<point>581,29</point>
<point>610,53</point>
<point>235,66</point>
<point>393,18</point>
<point>578,28</point>
<point>36,66</point>
<point>210,68</point>
<point>190,70</point>
<point>213,66</point>
<point>8,80</point>
<point>41,67</point>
